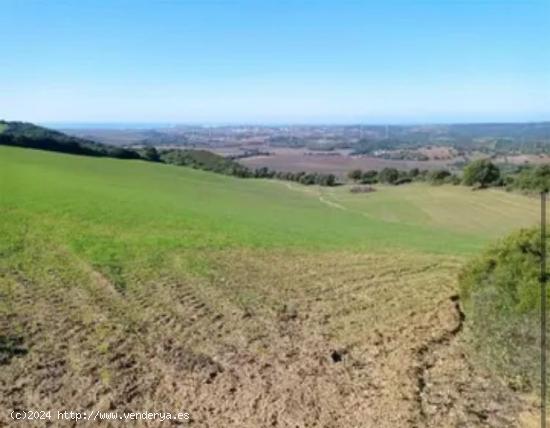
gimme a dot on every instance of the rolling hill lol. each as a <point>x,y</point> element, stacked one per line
<point>139,285</point>
<point>28,135</point>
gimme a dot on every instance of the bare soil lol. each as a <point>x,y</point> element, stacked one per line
<point>295,160</point>
<point>266,339</point>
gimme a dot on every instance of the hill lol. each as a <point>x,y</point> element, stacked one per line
<point>140,285</point>
<point>190,208</point>
<point>27,135</point>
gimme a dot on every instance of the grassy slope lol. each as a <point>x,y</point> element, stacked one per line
<point>72,227</point>
<point>114,211</point>
<point>132,216</point>
<point>489,214</point>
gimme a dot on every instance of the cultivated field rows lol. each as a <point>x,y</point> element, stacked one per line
<point>265,338</point>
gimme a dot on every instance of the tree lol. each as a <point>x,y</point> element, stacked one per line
<point>326,179</point>
<point>533,178</point>
<point>355,174</point>
<point>481,172</point>
<point>438,176</point>
<point>308,179</point>
<point>388,175</point>
<point>370,177</point>
<point>150,153</point>
<point>413,173</point>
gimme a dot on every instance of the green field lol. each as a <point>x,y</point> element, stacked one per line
<point>81,201</point>
<point>180,284</point>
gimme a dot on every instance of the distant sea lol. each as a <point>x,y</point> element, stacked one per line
<point>106,125</point>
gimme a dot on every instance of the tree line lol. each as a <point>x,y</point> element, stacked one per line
<point>27,135</point>
<point>397,177</point>
<point>209,161</point>
<point>479,174</point>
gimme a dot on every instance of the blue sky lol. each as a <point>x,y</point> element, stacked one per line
<point>266,61</point>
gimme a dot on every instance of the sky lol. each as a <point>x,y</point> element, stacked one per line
<point>171,61</point>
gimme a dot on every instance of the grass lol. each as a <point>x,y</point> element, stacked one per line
<point>177,207</point>
<point>125,276</point>
<point>488,214</point>
<point>136,218</point>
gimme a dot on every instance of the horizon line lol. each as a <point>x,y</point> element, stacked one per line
<point>172,124</point>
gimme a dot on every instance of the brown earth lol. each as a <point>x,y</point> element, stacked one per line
<point>296,161</point>
<point>264,339</point>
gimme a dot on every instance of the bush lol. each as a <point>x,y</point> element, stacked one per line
<point>439,176</point>
<point>370,177</point>
<point>481,173</point>
<point>388,175</point>
<point>326,180</point>
<point>355,174</point>
<point>308,179</point>
<point>534,179</point>
<point>150,153</point>
<point>413,173</point>
<point>501,296</point>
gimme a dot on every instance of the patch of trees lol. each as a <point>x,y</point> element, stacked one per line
<point>526,178</point>
<point>529,179</point>
<point>149,153</point>
<point>411,155</point>
<point>302,177</point>
<point>27,135</point>
<point>205,160</point>
<point>397,177</point>
<point>208,161</point>
<point>248,154</point>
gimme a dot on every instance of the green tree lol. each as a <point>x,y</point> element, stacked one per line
<point>481,172</point>
<point>150,153</point>
<point>388,175</point>
<point>413,173</point>
<point>308,179</point>
<point>355,174</point>
<point>438,176</point>
<point>534,179</point>
<point>370,177</point>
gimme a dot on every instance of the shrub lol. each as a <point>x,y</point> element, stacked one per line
<point>355,174</point>
<point>481,173</point>
<point>413,173</point>
<point>501,296</point>
<point>535,179</point>
<point>308,179</point>
<point>150,153</point>
<point>439,176</point>
<point>388,175</point>
<point>370,177</point>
